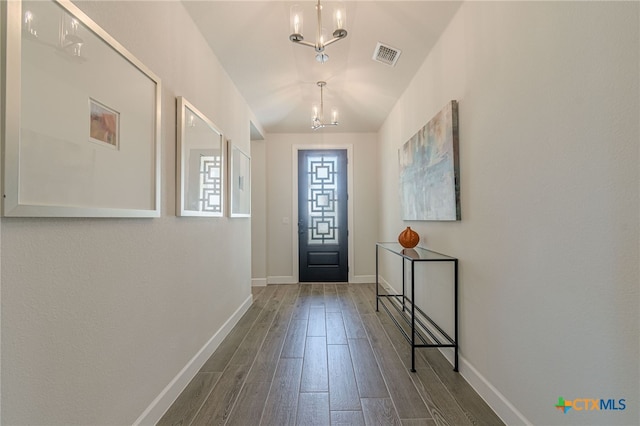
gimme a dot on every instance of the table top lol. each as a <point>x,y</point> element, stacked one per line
<point>416,254</point>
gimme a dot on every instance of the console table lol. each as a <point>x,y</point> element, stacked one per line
<point>421,335</point>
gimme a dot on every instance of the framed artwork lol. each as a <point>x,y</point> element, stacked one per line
<point>104,124</point>
<point>82,118</point>
<point>239,182</point>
<point>429,170</point>
<point>200,164</point>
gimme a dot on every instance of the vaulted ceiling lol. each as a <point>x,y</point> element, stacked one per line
<point>278,78</point>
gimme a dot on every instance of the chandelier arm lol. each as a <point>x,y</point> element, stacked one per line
<point>304,43</point>
<point>333,40</point>
<point>323,125</point>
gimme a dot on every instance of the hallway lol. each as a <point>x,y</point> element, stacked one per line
<point>320,354</point>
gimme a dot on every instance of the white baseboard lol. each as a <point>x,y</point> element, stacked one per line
<point>170,393</point>
<point>492,396</point>
<point>363,279</point>
<point>258,282</point>
<point>282,280</point>
<point>386,285</point>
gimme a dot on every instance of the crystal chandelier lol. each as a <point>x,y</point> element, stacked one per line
<point>321,42</point>
<point>317,121</point>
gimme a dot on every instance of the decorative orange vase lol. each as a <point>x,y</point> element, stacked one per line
<point>408,238</point>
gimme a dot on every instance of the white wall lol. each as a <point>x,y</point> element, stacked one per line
<point>258,213</point>
<point>280,184</point>
<point>548,243</point>
<point>100,315</point>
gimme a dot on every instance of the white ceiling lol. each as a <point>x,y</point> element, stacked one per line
<point>278,78</point>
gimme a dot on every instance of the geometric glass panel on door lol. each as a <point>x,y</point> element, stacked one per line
<point>322,216</point>
<point>322,199</point>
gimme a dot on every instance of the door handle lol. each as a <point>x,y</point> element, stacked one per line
<point>301,227</point>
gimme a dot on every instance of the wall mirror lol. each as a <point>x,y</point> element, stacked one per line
<point>239,182</point>
<point>200,164</point>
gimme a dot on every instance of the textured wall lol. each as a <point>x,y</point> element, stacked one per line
<point>548,241</point>
<point>99,315</point>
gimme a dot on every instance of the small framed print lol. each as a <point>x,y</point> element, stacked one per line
<point>104,124</point>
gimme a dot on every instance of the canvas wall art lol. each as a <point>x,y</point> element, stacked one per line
<point>429,169</point>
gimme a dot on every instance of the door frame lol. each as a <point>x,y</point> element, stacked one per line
<point>294,204</point>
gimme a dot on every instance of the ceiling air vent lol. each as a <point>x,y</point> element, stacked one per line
<point>386,54</point>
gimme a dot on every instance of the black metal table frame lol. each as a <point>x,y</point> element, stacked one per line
<point>407,304</point>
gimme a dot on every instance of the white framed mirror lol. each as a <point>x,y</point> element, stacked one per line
<point>239,182</point>
<point>200,167</point>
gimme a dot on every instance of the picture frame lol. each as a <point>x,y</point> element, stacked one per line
<point>104,124</point>
<point>200,164</point>
<point>239,182</point>
<point>61,70</point>
<point>429,169</point>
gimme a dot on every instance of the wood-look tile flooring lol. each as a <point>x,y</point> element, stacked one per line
<point>319,354</point>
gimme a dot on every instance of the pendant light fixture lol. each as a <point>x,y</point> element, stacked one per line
<point>339,18</point>
<point>317,121</point>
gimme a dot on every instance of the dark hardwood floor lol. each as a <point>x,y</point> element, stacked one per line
<point>319,354</point>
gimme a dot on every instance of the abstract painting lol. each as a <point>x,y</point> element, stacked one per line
<point>429,169</point>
